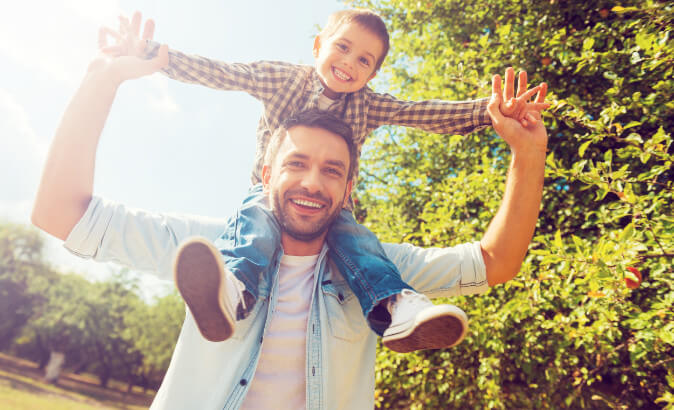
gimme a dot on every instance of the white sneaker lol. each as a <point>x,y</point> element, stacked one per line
<point>208,288</point>
<point>417,324</point>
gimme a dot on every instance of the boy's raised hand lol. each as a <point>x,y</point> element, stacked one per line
<point>520,106</point>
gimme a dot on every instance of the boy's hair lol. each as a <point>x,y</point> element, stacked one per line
<point>367,19</point>
<point>315,119</point>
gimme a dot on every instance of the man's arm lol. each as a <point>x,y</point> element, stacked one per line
<point>506,241</point>
<point>67,179</point>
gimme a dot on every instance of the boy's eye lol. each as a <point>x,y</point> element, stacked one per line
<point>364,61</point>
<point>342,47</point>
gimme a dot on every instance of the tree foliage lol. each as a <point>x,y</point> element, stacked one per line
<point>567,331</point>
<point>103,327</point>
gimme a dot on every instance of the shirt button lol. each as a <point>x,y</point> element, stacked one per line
<point>243,382</point>
<point>341,297</point>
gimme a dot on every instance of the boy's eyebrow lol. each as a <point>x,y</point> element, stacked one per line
<point>351,42</point>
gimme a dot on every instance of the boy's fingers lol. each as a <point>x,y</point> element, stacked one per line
<point>148,30</point>
<point>522,83</point>
<point>540,98</point>
<point>509,84</point>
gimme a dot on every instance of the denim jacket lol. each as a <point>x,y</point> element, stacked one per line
<point>341,349</point>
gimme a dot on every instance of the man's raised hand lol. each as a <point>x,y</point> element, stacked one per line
<point>519,106</point>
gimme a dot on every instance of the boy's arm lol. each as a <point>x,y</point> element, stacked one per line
<point>455,117</point>
<point>66,185</point>
<point>261,79</point>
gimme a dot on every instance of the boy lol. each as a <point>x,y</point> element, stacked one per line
<point>348,53</point>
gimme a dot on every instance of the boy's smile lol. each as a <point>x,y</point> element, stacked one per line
<point>346,60</point>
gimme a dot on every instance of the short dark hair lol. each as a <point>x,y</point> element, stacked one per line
<point>367,19</point>
<point>315,119</point>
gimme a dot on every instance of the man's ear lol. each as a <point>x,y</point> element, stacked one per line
<point>317,45</point>
<point>347,194</point>
<point>266,177</point>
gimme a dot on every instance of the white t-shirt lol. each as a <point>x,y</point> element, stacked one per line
<point>280,378</point>
<point>324,102</point>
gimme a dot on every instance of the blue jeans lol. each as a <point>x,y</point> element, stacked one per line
<point>253,236</point>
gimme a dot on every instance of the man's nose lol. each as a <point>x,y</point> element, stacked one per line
<point>312,180</point>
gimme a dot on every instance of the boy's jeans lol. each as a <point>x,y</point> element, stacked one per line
<point>253,236</point>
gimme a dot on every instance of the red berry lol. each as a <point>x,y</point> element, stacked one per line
<point>630,282</point>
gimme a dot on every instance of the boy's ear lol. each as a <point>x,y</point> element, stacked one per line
<point>374,73</point>
<point>317,45</point>
<point>266,177</point>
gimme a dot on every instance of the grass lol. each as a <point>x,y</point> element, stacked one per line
<point>21,387</point>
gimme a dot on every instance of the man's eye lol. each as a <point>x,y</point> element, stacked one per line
<point>333,171</point>
<point>295,164</point>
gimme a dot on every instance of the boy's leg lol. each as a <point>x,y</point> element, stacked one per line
<point>407,320</point>
<point>217,292</point>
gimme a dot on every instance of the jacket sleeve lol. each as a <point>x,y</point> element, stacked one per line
<point>437,116</point>
<point>140,240</point>
<point>441,272</point>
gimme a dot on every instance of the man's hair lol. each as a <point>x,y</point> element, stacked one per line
<point>314,119</point>
<point>367,19</point>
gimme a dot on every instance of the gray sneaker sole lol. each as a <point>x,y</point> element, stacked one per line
<point>199,277</point>
<point>440,329</point>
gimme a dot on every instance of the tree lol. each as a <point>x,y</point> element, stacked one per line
<point>567,332</point>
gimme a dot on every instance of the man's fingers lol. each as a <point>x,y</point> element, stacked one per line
<point>135,23</point>
<point>113,51</point>
<point>522,83</point>
<point>509,84</point>
<point>537,107</point>
<point>148,30</point>
<point>123,25</point>
<point>103,34</point>
<point>540,98</point>
<point>528,94</point>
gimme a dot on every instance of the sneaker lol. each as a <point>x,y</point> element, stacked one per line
<point>418,324</point>
<point>202,278</point>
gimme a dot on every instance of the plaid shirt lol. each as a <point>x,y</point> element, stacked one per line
<point>286,89</point>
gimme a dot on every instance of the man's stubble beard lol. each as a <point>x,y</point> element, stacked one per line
<point>286,223</point>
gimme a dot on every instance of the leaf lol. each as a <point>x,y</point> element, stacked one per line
<point>588,43</point>
<point>583,147</point>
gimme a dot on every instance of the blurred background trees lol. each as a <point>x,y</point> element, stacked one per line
<point>588,322</point>
<point>104,328</point>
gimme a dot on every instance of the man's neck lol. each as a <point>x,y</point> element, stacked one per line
<point>296,247</point>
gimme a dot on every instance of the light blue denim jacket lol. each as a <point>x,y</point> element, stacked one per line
<point>341,348</point>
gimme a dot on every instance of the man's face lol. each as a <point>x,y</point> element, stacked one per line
<point>308,182</point>
<point>346,60</point>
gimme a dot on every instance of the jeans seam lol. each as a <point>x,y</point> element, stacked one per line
<point>357,274</point>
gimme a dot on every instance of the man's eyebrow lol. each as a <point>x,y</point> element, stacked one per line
<point>297,155</point>
<point>337,163</point>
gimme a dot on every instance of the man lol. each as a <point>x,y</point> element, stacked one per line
<point>334,366</point>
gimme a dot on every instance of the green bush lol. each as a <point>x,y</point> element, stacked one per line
<point>566,332</point>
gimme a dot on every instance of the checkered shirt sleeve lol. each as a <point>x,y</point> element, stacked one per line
<point>262,80</point>
<point>437,116</point>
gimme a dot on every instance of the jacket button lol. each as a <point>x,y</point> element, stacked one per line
<point>243,382</point>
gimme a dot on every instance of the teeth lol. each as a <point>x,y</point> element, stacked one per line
<point>341,75</point>
<point>307,203</point>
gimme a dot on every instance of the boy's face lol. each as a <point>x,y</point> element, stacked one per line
<point>346,60</point>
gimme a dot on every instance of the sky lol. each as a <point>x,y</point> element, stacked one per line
<point>166,146</point>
